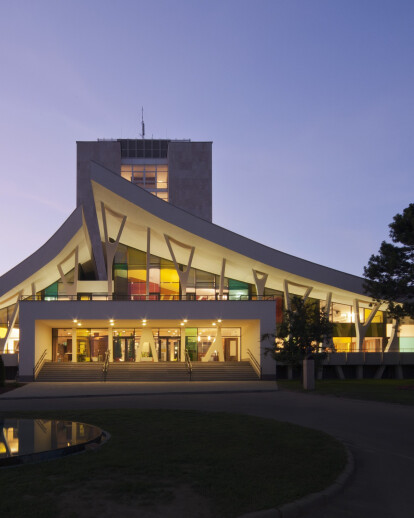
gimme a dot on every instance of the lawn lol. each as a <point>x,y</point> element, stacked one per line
<point>175,463</point>
<point>386,390</point>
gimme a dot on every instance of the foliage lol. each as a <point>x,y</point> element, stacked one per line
<point>117,348</point>
<point>304,331</point>
<point>2,373</point>
<point>389,275</point>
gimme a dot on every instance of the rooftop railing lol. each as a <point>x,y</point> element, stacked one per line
<point>156,297</point>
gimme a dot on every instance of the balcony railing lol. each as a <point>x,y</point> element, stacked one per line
<point>156,297</point>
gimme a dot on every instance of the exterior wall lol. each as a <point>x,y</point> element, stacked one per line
<point>251,340</point>
<point>36,335</point>
<point>26,345</point>
<point>190,177</point>
<point>43,340</point>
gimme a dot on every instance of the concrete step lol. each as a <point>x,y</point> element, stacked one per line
<point>146,371</point>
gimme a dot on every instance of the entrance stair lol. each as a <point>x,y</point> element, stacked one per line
<point>146,372</point>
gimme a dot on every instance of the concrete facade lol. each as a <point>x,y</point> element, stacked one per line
<point>189,166</point>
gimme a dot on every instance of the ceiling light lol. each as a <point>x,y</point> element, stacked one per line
<point>182,323</point>
<point>185,320</point>
<point>79,324</point>
<point>74,320</point>
<point>213,323</point>
<point>219,320</point>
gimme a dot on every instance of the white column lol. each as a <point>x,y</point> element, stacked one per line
<point>182,353</point>
<point>111,343</point>
<point>74,345</point>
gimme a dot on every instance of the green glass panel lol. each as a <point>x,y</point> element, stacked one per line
<point>191,331</point>
<point>343,330</point>
<point>376,330</point>
<point>52,290</point>
<point>407,344</point>
<point>237,285</point>
<point>191,347</point>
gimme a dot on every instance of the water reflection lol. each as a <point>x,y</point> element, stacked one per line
<point>27,440</point>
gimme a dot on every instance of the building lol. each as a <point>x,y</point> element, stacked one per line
<point>139,270</point>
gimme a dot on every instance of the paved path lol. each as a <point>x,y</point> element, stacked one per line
<point>380,435</point>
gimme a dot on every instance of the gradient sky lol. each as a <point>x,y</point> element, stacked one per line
<point>309,104</point>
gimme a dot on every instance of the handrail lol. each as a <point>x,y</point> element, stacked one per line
<point>254,363</point>
<point>153,297</point>
<point>105,365</point>
<point>188,364</point>
<point>39,364</point>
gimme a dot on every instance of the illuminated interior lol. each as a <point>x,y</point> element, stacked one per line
<point>152,177</point>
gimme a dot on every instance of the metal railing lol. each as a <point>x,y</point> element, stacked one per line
<point>254,363</point>
<point>188,364</point>
<point>105,366</point>
<point>39,364</point>
<point>189,297</point>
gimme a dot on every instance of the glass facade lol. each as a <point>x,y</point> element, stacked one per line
<point>93,343</point>
<point>130,276</point>
<point>151,177</point>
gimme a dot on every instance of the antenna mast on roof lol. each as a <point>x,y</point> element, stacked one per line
<point>142,124</point>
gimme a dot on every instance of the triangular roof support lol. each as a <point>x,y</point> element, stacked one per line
<point>71,289</point>
<point>260,279</point>
<point>111,248</point>
<point>182,274</point>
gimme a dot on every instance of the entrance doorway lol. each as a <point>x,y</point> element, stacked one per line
<point>168,349</point>
<point>231,349</point>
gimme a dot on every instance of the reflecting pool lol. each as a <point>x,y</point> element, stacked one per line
<point>33,440</point>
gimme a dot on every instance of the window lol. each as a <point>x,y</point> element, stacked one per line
<point>152,177</point>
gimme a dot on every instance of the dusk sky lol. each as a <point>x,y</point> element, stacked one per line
<point>309,104</point>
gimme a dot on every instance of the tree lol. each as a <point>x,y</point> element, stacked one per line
<point>304,332</point>
<point>389,275</point>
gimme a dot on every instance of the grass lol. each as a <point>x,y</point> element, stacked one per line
<point>385,390</point>
<point>230,464</point>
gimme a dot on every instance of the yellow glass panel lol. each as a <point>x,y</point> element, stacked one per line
<point>378,319</point>
<point>343,344</point>
<point>3,331</point>
<point>136,275</point>
<point>169,275</point>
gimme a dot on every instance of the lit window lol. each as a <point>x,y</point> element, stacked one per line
<point>152,177</point>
